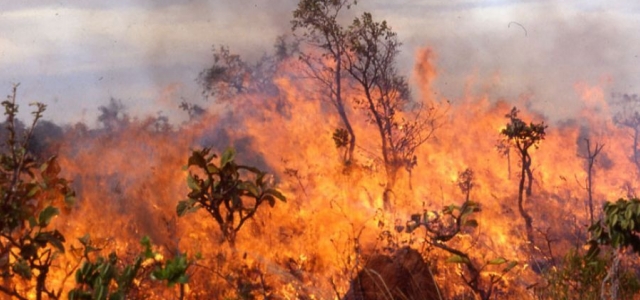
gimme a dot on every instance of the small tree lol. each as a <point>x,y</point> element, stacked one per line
<point>29,196</point>
<point>443,227</point>
<point>231,193</point>
<point>114,278</point>
<point>523,137</point>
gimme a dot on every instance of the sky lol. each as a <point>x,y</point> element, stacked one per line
<point>76,55</point>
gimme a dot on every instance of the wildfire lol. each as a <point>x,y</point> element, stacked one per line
<point>130,179</point>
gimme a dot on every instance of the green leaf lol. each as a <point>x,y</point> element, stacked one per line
<point>50,169</point>
<point>146,243</point>
<point>250,187</point>
<point>212,169</point>
<point>276,194</point>
<point>186,206</point>
<point>32,222</point>
<point>613,220</point>
<point>34,190</point>
<point>21,267</point>
<point>55,238</point>
<point>228,156</point>
<point>624,224</point>
<point>46,214</point>
<point>510,266</point>
<point>457,259</point>
<point>270,199</point>
<point>471,223</point>
<point>197,159</point>
<point>449,209</point>
<point>70,199</point>
<point>85,240</point>
<point>192,183</point>
<point>593,251</point>
<point>497,261</point>
<point>99,292</point>
<point>627,213</point>
<point>73,294</point>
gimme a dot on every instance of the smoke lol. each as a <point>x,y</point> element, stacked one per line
<point>557,45</point>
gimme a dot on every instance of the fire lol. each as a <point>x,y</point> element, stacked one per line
<point>129,181</point>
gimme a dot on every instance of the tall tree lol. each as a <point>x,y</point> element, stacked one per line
<point>372,49</point>
<point>317,20</point>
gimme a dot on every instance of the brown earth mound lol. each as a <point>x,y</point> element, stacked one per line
<point>405,275</point>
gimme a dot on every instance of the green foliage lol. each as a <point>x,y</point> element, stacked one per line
<point>444,226</point>
<point>441,228</point>
<point>523,135</point>
<point>174,271</point>
<point>112,278</point>
<point>580,276</point>
<point>619,227</point>
<point>231,193</point>
<point>29,195</point>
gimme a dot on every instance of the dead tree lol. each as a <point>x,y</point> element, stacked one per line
<point>591,158</point>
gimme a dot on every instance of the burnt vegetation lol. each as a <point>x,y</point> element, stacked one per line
<point>221,208</point>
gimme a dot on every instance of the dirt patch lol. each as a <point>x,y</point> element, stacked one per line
<point>404,275</point>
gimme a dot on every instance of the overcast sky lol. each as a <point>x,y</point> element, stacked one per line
<point>75,55</point>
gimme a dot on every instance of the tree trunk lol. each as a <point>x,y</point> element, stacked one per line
<point>612,278</point>
<point>528,222</point>
<point>527,166</point>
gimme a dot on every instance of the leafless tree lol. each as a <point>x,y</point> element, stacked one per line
<point>317,21</point>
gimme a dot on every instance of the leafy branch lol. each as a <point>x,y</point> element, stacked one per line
<point>442,227</point>
<point>29,193</point>
<point>231,193</point>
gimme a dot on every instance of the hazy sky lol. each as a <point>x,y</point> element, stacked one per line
<point>75,55</point>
